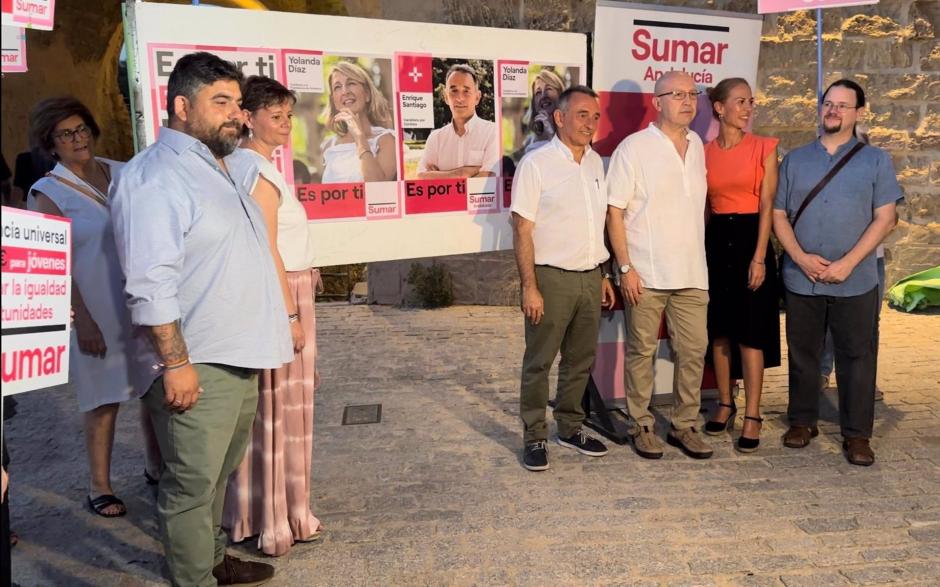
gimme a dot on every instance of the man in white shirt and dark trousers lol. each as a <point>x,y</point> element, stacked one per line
<point>558,212</point>
<point>656,224</point>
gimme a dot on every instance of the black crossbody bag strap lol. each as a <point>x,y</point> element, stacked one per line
<point>825,181</point>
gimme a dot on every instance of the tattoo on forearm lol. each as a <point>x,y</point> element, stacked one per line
<point>169,343</point>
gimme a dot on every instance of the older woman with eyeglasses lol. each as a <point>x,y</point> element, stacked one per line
<point>743,314</point>
<point>109,360</point>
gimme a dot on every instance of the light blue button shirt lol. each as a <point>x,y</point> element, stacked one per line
<point>835,220</point>
<point>194,247</point>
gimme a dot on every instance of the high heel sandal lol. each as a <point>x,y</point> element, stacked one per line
<point>746,444</point>
<point>715,427</point>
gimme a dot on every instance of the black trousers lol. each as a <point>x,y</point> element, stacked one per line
<point>853,322</point>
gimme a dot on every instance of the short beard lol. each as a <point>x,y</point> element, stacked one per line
<point>220,144</point>
<point>831,130</point>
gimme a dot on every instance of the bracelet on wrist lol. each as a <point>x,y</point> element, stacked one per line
<point>291,318</point>
<point>177,365</point>
<point>363,152</point>
<point>756,261</point>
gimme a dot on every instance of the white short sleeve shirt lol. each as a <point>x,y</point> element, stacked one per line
<point>567,201</point>
<point>663,199</point>
<point>293,237</point>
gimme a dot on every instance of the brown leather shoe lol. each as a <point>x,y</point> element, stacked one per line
<point>858,451</point>
<point>799,436</point>
<point>234,571</point>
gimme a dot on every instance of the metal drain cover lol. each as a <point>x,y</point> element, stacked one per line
<point>367,414</point>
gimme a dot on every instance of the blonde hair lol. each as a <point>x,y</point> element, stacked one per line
<point>550,79</point>
<point>379,112</point>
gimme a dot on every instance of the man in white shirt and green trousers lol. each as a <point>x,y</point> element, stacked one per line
<point>558,211</point>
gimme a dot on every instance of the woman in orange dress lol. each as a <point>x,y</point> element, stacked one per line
<point>743,313</point>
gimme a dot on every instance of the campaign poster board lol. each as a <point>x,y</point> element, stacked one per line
<point>37,290</point>
<point>32,14</point>
<point>13,41</point>
<point>769,6</point>
<point>634,45</point>
<point>418,202</point>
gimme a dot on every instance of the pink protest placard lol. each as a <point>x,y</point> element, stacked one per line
<point>31,14</point>
<point>768,6</point>
<point>14,49</point>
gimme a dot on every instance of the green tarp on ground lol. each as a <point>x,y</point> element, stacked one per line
<point>916,292</point>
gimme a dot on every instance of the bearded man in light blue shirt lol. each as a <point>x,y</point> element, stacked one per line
<point>201,278</point>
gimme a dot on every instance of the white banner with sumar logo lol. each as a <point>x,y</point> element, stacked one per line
<point>634,45</point>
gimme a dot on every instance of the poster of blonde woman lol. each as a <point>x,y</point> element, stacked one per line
<point>346,132</point>
<point>529,95</point>
<point>527,107</point>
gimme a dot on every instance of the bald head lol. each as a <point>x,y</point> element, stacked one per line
<point>672,112</point>
<point>672,80</point>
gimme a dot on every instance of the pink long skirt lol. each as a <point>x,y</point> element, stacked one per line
<point>269,494</point>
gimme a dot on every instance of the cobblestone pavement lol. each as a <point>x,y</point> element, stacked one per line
<point>435,494</point>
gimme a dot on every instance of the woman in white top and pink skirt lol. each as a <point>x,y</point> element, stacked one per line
<point>268,496</point>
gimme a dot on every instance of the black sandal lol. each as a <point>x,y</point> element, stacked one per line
<point>98,505</point>
<point>715,427</point>
<point>746,444</point>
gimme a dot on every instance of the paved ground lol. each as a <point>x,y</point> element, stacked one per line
<point>435,495</point>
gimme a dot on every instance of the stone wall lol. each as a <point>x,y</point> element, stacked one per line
<point>891,48</point>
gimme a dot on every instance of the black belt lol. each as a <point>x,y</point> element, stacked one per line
<point>571,270</point>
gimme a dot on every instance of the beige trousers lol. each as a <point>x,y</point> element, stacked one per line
<point>687,321</point>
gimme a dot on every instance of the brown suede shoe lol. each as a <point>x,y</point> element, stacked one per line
<point>799,436</point>
<point>858,451</point>
<point>234,571</point>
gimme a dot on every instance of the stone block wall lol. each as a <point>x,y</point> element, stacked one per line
<point>891,48</point>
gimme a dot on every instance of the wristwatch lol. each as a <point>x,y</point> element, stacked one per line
<point>624,269</point>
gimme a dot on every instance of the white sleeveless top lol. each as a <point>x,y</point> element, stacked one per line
<point>127,369</point>
<point>341,161</point>
<point>293,237</point>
